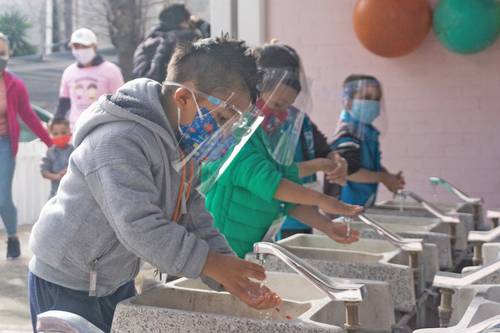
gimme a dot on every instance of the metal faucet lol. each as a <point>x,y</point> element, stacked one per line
<point>430,207</point>
<point>476,203</point>
<point>412,246</point>
<point>452,221</point>
<point>405,244</point>
<point>453,189</point>
<point>335,290</point>
<point>351,294</point>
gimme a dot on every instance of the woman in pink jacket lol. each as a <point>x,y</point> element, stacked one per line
<point>14,103</point>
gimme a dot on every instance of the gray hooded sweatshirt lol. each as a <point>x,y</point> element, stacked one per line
<point>115,203</point>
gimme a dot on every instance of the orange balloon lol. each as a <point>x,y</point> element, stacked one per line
<point>392,28</point>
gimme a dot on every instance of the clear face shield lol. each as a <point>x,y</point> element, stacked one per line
<point>287,100</point>
<point>363,101</point>
<point>219,130</point>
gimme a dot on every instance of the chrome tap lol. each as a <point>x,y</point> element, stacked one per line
<point>453,189</point>
<point>336,290</point>
<point>405,244</point>
<point>430,208</point>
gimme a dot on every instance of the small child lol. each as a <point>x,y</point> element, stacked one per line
<point>55,161</point>
<point>357,140</point>
<point>262,185</point>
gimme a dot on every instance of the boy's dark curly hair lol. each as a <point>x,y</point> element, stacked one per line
<point>215,62</point>
<point>277,55</point>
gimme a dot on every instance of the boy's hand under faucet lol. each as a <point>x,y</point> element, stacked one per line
<point>340,233</point>
<point>235,275</point>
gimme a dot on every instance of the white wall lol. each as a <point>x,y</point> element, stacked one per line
<point>30,190</point>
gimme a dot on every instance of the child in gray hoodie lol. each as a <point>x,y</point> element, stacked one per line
<point>117,204</point>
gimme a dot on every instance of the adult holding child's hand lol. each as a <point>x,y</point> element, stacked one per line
<point>14,105</point>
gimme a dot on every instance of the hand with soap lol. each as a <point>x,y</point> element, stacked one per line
<point>236,274</point>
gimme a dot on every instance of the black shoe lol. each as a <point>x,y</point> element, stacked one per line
<point>13,248</point>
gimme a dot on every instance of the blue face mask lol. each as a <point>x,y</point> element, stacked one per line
<point>365,111</point>
<point>196,135</point>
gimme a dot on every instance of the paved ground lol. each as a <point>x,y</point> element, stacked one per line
<point>14,310</point>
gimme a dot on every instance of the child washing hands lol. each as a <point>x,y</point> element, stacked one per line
<point>263,184</point>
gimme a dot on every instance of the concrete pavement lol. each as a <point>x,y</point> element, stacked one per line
<point>14,309</point>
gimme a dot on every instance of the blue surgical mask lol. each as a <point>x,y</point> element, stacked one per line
<point>365,111</point>
<point>196,136</point>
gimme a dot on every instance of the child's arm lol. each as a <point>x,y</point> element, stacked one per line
<point>310,167</point>
<point>336,231</point>
<point>235,274</point>
<point>393,182</point>
<point>46,168</point>
<point>334,167</point>
<point>291,192</point>
<point>52,176</point>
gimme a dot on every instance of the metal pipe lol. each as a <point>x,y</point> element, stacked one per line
<point>476,212</point>
<point>477,257</point>
<point>414,265</point>
<point>445,309</point>
<point>352,324</point>
<point>453,235</point>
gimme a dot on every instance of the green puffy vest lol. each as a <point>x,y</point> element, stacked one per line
<point>241,201</point>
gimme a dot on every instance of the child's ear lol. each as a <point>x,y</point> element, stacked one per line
<point>182,96</point>
<point>186,103</point>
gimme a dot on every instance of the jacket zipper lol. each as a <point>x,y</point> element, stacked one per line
<point>93,271</point>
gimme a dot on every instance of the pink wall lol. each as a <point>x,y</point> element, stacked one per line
<point>443,109</point>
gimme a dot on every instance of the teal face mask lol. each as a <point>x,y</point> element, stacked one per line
<point>365,111</point>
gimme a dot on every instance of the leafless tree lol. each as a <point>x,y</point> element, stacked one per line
<point>68,19</point>
<point>126,27</point>
<point>125,22</point>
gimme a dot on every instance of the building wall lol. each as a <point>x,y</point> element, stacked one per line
<point>443,109</point>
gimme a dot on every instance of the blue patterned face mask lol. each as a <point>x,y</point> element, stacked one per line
<point>197,137</point>
<point>365,111</point>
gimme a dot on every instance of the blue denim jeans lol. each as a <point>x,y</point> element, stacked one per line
<point>8,211</point>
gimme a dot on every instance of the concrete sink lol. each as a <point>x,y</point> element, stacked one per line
<point>430,230</point>
<point>188,305</point>
<point>368,259</point>
<point>475,308</point>
<point>168,309</point>
<point>295,289</point>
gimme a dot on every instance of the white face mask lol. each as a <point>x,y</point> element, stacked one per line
<point>84,56</point>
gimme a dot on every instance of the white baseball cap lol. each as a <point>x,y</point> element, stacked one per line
<point>83,36</point>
